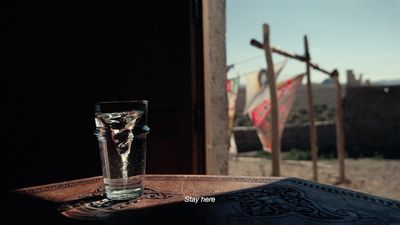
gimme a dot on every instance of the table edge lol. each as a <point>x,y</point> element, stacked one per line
<point>152,177</point>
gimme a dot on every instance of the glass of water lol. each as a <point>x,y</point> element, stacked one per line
<point>121,129</point>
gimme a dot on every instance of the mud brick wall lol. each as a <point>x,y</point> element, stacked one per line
<point>371,125</point>
<point>294,137</point>
<point>372,121</point>
<point>298,137</point>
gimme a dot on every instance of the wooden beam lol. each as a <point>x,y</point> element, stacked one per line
<point>301,58</point>
<point>287,54</point>
<point>311,115</point>
<point>276,148</point>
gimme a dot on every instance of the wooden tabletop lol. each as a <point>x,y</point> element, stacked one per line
<point>196,199</point>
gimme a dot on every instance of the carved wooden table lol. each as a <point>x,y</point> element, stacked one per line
<point>171,199</point>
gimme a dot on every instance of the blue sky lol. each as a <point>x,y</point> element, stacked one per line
<point>363,35</point>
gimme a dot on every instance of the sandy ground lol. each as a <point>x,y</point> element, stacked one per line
<point>372,176</point>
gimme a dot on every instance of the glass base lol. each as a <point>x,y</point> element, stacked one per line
<point>127,194</point>
<point>124,189</point>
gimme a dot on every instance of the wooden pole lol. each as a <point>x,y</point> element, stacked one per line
<point>339,128</point>
<point>339,112</point>
<point>276,151</point>
<point>311,116</point>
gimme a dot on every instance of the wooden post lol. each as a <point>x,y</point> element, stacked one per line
<point>313,131</point>
<point>339,128</point>
<point>311,117</point>
<point>276,151</point>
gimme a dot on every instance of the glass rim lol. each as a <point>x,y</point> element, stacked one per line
<point>120,106</point>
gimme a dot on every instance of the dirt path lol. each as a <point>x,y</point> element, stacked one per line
<point>377,177</point>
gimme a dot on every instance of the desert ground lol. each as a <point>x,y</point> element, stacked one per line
<point>379,177</point>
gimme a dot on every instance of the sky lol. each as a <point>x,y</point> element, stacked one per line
<point>362,35</point>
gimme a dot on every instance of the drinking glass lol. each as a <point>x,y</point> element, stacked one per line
<point>121,129</point>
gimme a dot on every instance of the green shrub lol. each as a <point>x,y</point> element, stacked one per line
<point>296,154</point>
<point>263,154</point>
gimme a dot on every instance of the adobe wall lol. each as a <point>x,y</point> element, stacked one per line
<point>216,103</point>
<point>371,126</point>
<point>372,121</point>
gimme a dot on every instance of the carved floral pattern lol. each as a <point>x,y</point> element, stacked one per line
<point>263,204</point>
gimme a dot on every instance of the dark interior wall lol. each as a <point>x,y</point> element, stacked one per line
<point>64,57</point>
